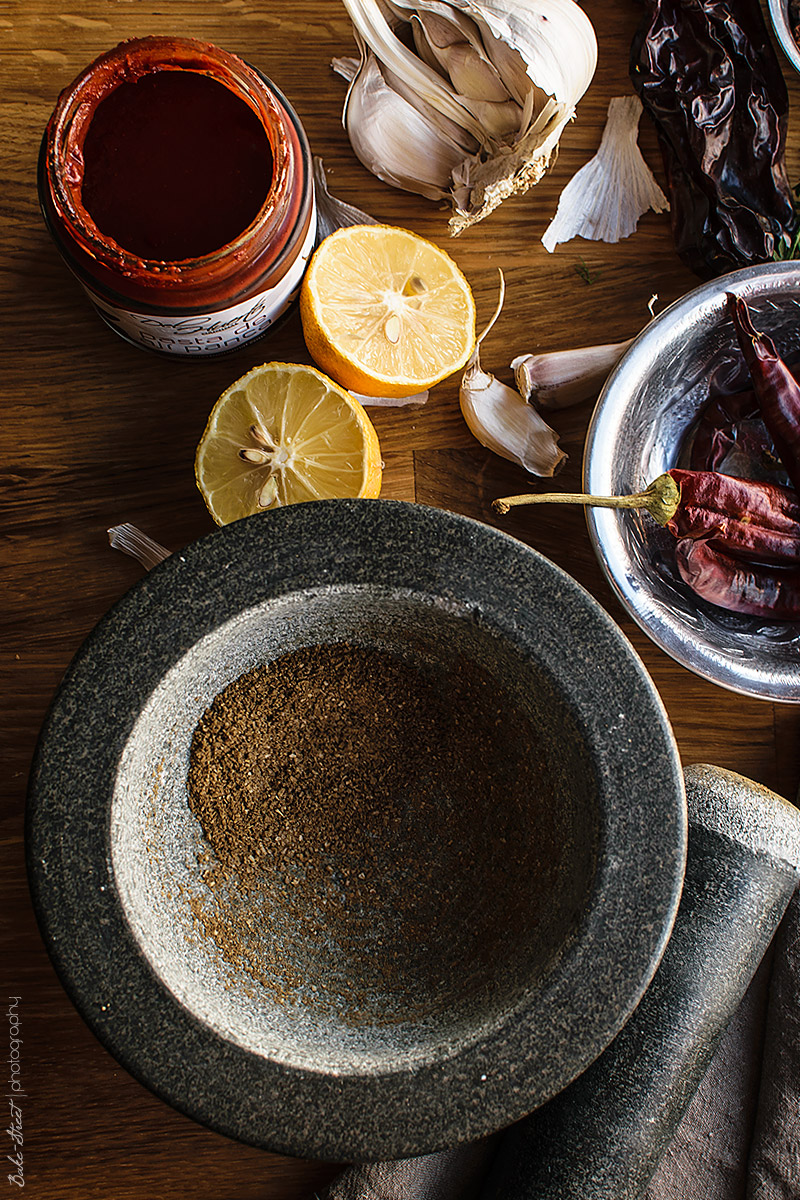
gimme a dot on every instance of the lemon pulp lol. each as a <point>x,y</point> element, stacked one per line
<point>386,312</point>
<point>283,434</point>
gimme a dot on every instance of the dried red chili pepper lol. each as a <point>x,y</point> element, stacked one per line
<point>752,519</point>
<point>713,433</point>
<point>708,75</point>
<point>730,436</point>
<point>731,583</point>
<point>775,388</point>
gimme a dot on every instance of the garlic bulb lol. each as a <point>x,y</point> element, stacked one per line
<point>464,100</point>
<point>501,420</point>
<point>605,199</point>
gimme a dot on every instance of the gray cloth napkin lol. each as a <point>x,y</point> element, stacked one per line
<point>738,1140</point>
<point>774,1168</point>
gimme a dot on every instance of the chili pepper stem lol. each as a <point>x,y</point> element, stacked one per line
<point>660,498</point>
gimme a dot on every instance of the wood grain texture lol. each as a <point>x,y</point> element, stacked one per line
<point>96,433</point>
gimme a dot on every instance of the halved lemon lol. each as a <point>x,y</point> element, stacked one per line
<point>281,434</point>
<point>385,312</point>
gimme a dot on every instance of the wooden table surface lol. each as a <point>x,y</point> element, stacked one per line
<point>96,433</point>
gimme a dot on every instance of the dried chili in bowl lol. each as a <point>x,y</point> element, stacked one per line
<point>730,436</point>
<point>776,390</point>
<point>793,13</point>
<point>748,518</point>
<point>738,540</point>
<point>737,584</point>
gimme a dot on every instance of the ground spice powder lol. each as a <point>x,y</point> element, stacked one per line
<point>375,826</point>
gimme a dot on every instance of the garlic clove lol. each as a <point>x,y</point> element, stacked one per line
<point>465,63</point>
<point>373,31</point>
<point>511,67</point>
<point>564,377</point>
<point>393,140</point>
<point>451,131</point>
<point>509,80</point>
<point>499,120</point>
<point>502,422</point>
<point>605,199</point>
<point>423,47</point>
<point>540,31</point>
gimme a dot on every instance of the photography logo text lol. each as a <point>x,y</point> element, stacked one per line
<point>15,1093</point>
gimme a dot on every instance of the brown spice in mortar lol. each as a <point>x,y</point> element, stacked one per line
<point>376,828</point>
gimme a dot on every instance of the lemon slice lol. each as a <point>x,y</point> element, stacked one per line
<point>385,312</point>
<point>281,434</point>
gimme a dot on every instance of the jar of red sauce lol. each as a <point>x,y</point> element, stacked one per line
<point>177,183</point>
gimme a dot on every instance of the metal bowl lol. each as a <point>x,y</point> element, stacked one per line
<point>642,415</point>
<point>461,1037</point>
<point>779,16</point>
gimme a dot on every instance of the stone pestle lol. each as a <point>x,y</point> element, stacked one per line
<point>603,1136</point>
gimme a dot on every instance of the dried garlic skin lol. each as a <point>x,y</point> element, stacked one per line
<point>138,545</point>
<point>333,213</point>
<point>417,400</point>
<point>605,199</point>
<point>464,99</point>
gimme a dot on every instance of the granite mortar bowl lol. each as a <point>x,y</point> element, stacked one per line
<point>326,1055</point>
<point>640,428</point>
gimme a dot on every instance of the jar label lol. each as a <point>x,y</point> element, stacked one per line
<point>214,332</point>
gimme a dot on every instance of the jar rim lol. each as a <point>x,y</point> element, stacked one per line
<point>130,60</point>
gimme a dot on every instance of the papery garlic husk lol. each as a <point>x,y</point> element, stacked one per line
<point>417,400</point>
<point>136,544</point>
<point>605,199</point>
<point>496,80</point>
<point>333,213</point>
<point>560,378</point>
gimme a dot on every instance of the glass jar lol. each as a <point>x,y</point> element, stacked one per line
<point>219,297</point>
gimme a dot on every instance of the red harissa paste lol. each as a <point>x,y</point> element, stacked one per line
<point>175,166</point>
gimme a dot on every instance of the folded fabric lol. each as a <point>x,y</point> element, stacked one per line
<point>707,1156</point>
<point>774,1168</point>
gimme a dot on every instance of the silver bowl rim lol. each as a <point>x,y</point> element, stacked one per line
<point>780,24</point>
